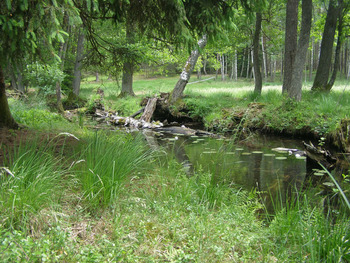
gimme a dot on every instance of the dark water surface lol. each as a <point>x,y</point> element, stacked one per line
<point>251,164</point>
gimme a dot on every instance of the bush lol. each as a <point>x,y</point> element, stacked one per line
<point>44,77</point>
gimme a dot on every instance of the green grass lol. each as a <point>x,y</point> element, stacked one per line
<point>217,102</point>
<point>104,164</point>
<point>31,184</point>
<point>108,198</point>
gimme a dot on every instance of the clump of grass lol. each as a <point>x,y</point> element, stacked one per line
<point>302,232</point>
<point>31,182</point>
<point>105,162</point>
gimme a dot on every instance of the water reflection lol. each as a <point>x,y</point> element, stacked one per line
<point>252,165</point>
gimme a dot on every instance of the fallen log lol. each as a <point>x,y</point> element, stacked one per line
<point>318,155</point>
<point>138,112</point>
<point>184,131</point>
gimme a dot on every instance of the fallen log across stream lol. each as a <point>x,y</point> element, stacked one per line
<point>145,121</point>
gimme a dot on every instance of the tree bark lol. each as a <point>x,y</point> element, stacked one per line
<point>236,66</point>
<point>324,64</point>
<point>248,61</point>
<point>256,46</point>
<point>17,77</point>
<point>62,55</point>
<point>128,66</point>
<point>291,39</point>
<point>336,64</point>
<point>187,70</point>
<point>205,65</point>
<point>6,119</point>
<point>243,60</point>
<point>264,55</point>
<point>311,64</point>
<point>149,110</point>
<point>300,58</point>
<point>222,60</point>
<point>78,63</point>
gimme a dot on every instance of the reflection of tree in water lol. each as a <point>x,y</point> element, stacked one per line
<point>175,147</point>
<point>279,178</point>
<point>275,178</point>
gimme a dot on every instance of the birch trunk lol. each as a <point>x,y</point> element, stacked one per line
<point>179,88</point>
<point>236,66</point>
<point>222,58</point>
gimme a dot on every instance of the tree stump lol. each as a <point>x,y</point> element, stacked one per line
<point>149,110</point>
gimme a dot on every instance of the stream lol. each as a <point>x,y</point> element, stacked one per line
<point>252,164</point>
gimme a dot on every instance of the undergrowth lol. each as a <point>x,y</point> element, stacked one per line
<point>110,198</point>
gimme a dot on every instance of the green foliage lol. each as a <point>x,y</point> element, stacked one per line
<point>38,118</point>
<point>55,245</point>
<point>316,237</point>
<point>32,183</point>
<point>26,24</point>
<point>107,161</point>
<point>44,77</point>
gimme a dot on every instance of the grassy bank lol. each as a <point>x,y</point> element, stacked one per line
<point>102,197</point>
<point>223,105</point>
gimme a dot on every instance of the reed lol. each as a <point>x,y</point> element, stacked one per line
<point>104,164</point>
<point>29,182</point>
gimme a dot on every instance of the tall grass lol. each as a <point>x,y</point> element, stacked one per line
<point>303,232</point>
<point>104,164</point>
<point>29,182</point>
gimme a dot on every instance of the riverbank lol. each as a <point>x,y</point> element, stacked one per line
<point>106,197</point>
<point>225,106</point>
<point>73,194</point>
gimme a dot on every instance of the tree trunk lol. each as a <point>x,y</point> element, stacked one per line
<point>78,63</point>
<point>127,79</point>
<point>128,67</point>
<point>149,110</point>
<point>300,58</point>
<point>243,59</point>
<point>6,119</point>
<point>311,60</point>
<point>337,49</point>
<point>236,66</point>
<point>252,75</point>
<point>187,70</point>
<point>17,77</point>
<point>205,65</point>
<point>222,59</point>
<point>62,55</point>
<point>248,61</point>
<point>256,63</point>
<point>324,64</point>
<point>264,55</point>
<point>291,39</point>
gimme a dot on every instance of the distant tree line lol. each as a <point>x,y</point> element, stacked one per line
<point>48,44</point>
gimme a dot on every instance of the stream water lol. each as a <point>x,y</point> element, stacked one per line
<point>252,164</point>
